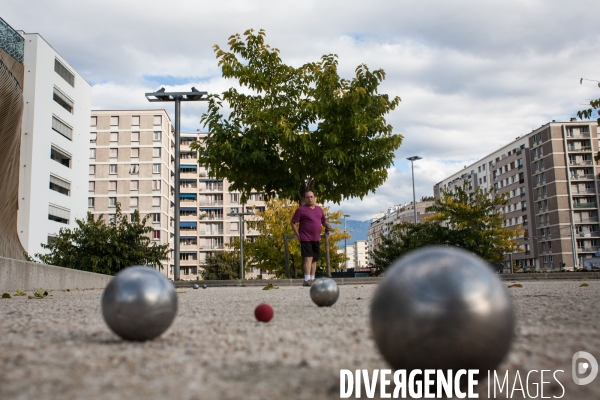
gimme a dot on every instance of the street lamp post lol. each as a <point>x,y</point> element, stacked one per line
<point>412,159</point>
<point>345,246</point>
<point>241,221</point>
<point>177,97</point>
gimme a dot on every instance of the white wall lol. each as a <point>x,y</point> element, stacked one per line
<point>37,137</point>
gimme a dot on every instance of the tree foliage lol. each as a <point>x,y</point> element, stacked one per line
<point>472,221</point>
<point>588,114</point>
<point>293,129</point>
<point>221,265</point>
<point>96,246</point>
<point>267,250</point>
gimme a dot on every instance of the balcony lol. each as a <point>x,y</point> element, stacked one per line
<point>582,177</point>
<point>581,162</point>
<point>210,232</point>
<point>587,234</point>
<point>588,249</point>
<point>210,217</point>
<point>579,149</point>
<point>584,191</point>
<point>210,202</point>
<point>577,135</point>
<point>211,247</point>
<point>213,188</point>
<point>587,220</point>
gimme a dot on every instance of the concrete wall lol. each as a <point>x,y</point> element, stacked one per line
<point>17,274</point>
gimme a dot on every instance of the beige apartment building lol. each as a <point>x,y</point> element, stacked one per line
<point>131,163</point>
<point>552,184</point>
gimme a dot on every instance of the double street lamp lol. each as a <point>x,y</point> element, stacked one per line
<point>412,159</point>
<point>177,97</point>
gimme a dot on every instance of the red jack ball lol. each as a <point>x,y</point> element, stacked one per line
<point>263,312</point>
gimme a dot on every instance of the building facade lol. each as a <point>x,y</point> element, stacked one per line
<point>131,162</point>
<point>552,184</point>
<point>361,254</point>
<point>54,145</point>
<point>382,223</point>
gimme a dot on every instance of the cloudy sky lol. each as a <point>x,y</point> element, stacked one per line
<point>472,75</point>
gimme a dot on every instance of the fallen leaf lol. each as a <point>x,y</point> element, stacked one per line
<point>6,296</point>
<point>270,286</point>
<point>182,291</point>
<point>20,293</point>
<point>584,285</point>
<point>516,285</point>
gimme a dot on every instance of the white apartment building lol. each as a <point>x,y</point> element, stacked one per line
<point>361,254</point>
<point>131,162</point>
<point>54,145</point>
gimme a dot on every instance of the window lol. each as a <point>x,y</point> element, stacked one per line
<point>112,217</point>
<point>112,185</point>
<point>60,185</point>
<point>524,205</point>
<point>549,245</point>
<point>63,100</point>
<point>114,121</point>
<point>135,136</point>
<point>155,185</point>
<point>64,73</point>
<point>92,153</point>
<point>133,202</point>
<point>114,136</point>
<point>114,153</point>
<point>135,120</point>
<point>62,128</point>
<point>548,231</point>
<point>156,235</point>
<point>93,121</point>
<point>156,217</point>
<point>155,201</point>
<point>92,170</point>
<point>135,152</point>
<point>484,178</point>
<point>235,226</point>
<point>112,169</point>
<point>134,185</point>
<point>156,152</point>
<point>60,156</point>
<point>545,203</point>
<point>544,176</point>
<point>59,214</point>
<point>543,232</point>
<point>156,168</point>
<point>90,202</point>
<point>112,201</point>
<point>91,186</point>
<point>93,137</point>
<point>157,136</point>
<point>135,169</point>
<point>157,120</point>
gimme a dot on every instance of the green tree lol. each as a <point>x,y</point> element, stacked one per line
<point>587,114</point>
<point>221,265</point>
<point>96,246</point>
<point>472,221</point>
<point>291,129</point>
<point>476,221</point>
<point>267,250</point>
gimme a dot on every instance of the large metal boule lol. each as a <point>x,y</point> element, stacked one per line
<point>324,292</point>
<point>139,303</point>
<point>441,307</point>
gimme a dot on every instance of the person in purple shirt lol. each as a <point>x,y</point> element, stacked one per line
<point>306,223</point>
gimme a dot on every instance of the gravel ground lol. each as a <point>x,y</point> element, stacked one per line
<point>59,347</point>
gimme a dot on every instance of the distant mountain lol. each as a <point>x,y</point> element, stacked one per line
<point>358,230</point>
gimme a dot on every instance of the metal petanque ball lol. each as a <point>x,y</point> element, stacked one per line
<point>203,286</point>
<point>196,286</point>
<point>441,307</point>
<point>324,292</point>
<point>139,303</point>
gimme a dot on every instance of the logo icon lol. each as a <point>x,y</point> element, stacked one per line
<point>581,367</point>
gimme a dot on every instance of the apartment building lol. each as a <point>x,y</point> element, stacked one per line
<point>360,250</point>
<point>382,223</point>
<point>551,179</point>
<point>54,145</point>
<point>206,204</point>
<point>131,162</point>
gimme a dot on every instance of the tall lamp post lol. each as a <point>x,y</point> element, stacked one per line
<point>345,246</point>
<point>241,222</point>
<point>412,160</point>
<point>177,97</point>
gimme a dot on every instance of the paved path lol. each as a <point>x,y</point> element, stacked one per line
<point>60,348</point>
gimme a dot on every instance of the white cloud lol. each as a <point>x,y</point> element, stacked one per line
<point>472,75</point>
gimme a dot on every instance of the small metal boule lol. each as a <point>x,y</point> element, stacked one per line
<point>324,292</point>
<point>441,307</point>
<point>203,286</point>
<point>139,303</point>
<point>196,286</point>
